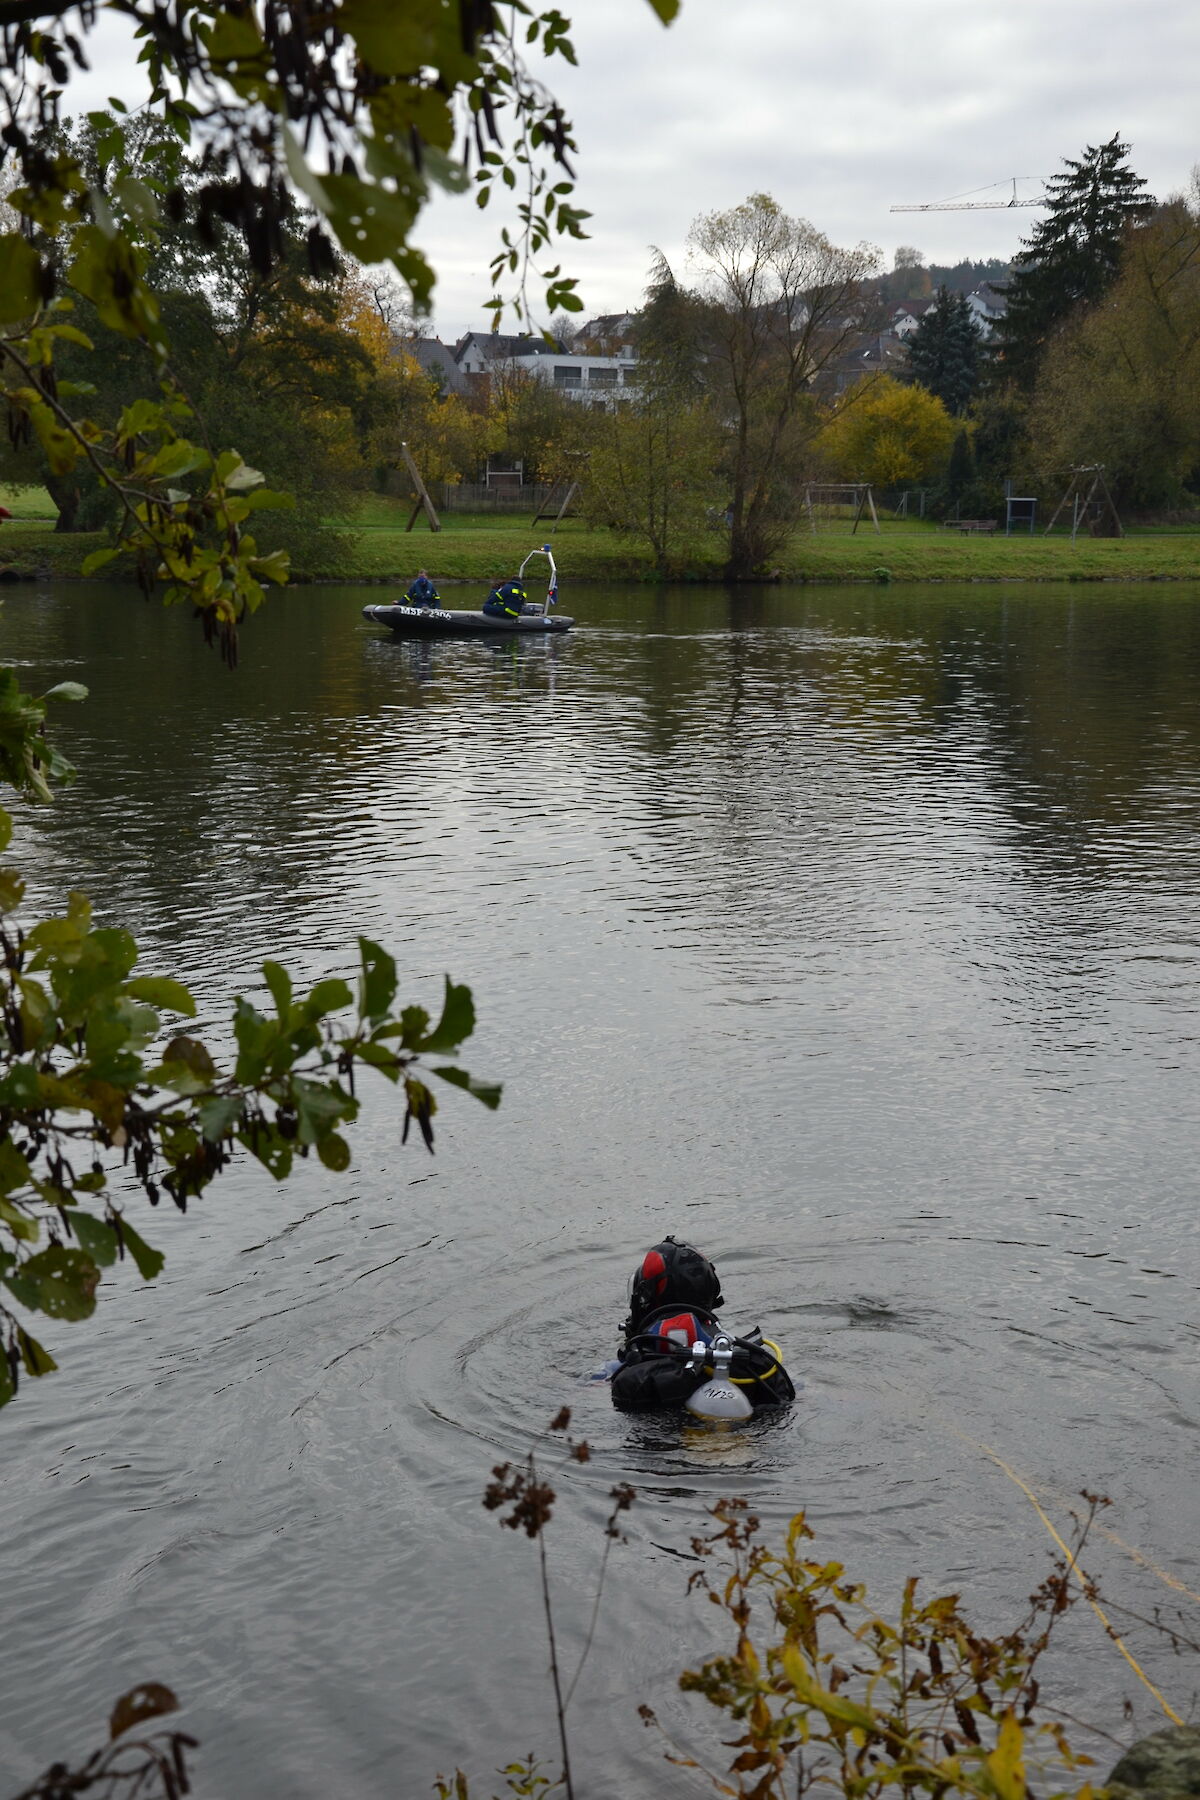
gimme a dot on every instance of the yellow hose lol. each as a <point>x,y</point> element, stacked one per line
<point>1074,1568</point>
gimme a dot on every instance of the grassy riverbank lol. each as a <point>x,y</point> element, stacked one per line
<point>477,548</point>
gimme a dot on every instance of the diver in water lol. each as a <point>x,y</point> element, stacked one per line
<point>675,1347</point>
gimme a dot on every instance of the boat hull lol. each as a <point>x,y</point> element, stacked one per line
<point>442,621</point>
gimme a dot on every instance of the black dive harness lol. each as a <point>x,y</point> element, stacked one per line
<point>656,1370</point>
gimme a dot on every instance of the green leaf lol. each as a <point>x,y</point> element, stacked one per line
<point>109,271</point>
<point>141,416</point>
<point>18,1222</point>
<point>457,1021</point>
<point>175,459</point>
<point>138,200</point>
<point>71,334</point>
<point>186,1066</point>
<point>235,474</point>
<point>274,567</point>
<point>414,1023</point>
<point>57,1281</point>
<point>318,1106</point>
<point>19,1087</point>
<point>377,1056</point>
<point>273,1151</point>
<point>666,9</point>
<point>66,690</point>
<point>7,1389</point>
<point>328,996</point>
<point>445,170</point>
<point>268,500</point>
<point>373,226</point>
<point>163,991</point>
<point>98,559</point>
<point>280,984</point>
<point>62,448</point>
<point>148,1260</point>
<point>377,980</point>
<point>219,1116</point>
<point>256,1037</point>
<point>36,1360</point>
<point>488,1092</point>
<point>97,1238</point>
<point>334,1152</point>
<point>14,1170</point>
<point>20,271</point>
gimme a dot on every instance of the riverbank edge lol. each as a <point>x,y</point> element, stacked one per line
<point>474,558</point>
<point>10,573</point>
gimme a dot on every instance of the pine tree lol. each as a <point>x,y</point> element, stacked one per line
<point>1074,253</point>
<point>670,337</point>
<point>945,352</point>
<point>960,472</point>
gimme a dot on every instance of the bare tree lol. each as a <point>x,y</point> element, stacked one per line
<point>782,304</point>
<point>393,306</point>
<point>565,331</point>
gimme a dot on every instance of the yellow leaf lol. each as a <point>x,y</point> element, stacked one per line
<point>1006,1764</point>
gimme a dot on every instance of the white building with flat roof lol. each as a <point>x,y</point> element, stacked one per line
<point>601,382</point>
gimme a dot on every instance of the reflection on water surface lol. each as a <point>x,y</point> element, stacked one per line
<point>853,934</point>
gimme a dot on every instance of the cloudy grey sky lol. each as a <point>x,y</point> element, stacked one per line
<point>838,111</point>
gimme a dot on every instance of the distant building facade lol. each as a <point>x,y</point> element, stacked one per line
<point>988,307</point>
<point>599,381</point>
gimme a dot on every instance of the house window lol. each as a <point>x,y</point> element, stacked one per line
<point>605,378</point>
<point>566,377</point>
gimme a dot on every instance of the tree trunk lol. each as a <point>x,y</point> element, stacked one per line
<point>66,496</point>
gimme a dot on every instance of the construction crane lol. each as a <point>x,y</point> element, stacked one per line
<point>963,204</point>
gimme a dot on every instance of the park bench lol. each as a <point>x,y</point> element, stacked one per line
<point>982,526</point>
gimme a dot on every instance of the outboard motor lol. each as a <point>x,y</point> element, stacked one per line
<point>717,1398</point>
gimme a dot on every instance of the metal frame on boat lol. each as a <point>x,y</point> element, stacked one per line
<point>442,621</point>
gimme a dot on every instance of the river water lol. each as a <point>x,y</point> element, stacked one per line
<point>852,934</point>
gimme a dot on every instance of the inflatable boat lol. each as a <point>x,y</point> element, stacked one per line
<point>444,621</point>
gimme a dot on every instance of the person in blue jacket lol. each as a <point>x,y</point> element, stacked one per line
<point>506,600</point>
<point>422,592</point>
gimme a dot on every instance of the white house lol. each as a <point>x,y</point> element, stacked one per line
<point>600,382</point>
<point>987,308</point>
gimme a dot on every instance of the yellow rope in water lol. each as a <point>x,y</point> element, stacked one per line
<point>1074,1568</point>
<point>1139,1556</point>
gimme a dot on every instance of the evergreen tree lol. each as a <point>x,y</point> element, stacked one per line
<point>671,336</point>
<point>960,472</point>
<point>945,352</point>
<point>1074,253</point>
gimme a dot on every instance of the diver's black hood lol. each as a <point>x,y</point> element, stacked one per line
<point>672,1274</point>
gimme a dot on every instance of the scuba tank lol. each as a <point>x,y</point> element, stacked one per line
<point>717,1398</point>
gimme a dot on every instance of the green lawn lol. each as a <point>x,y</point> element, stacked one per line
<point>28,503</point>
<point>479,548</point>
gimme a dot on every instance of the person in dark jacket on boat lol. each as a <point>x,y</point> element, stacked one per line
<point>672,1300</point>
<point>506,600</point>
<point>422,592</point>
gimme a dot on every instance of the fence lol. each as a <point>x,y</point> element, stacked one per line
<point>477,496</point>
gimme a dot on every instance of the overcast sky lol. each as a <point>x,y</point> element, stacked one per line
<point>839,112</point>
